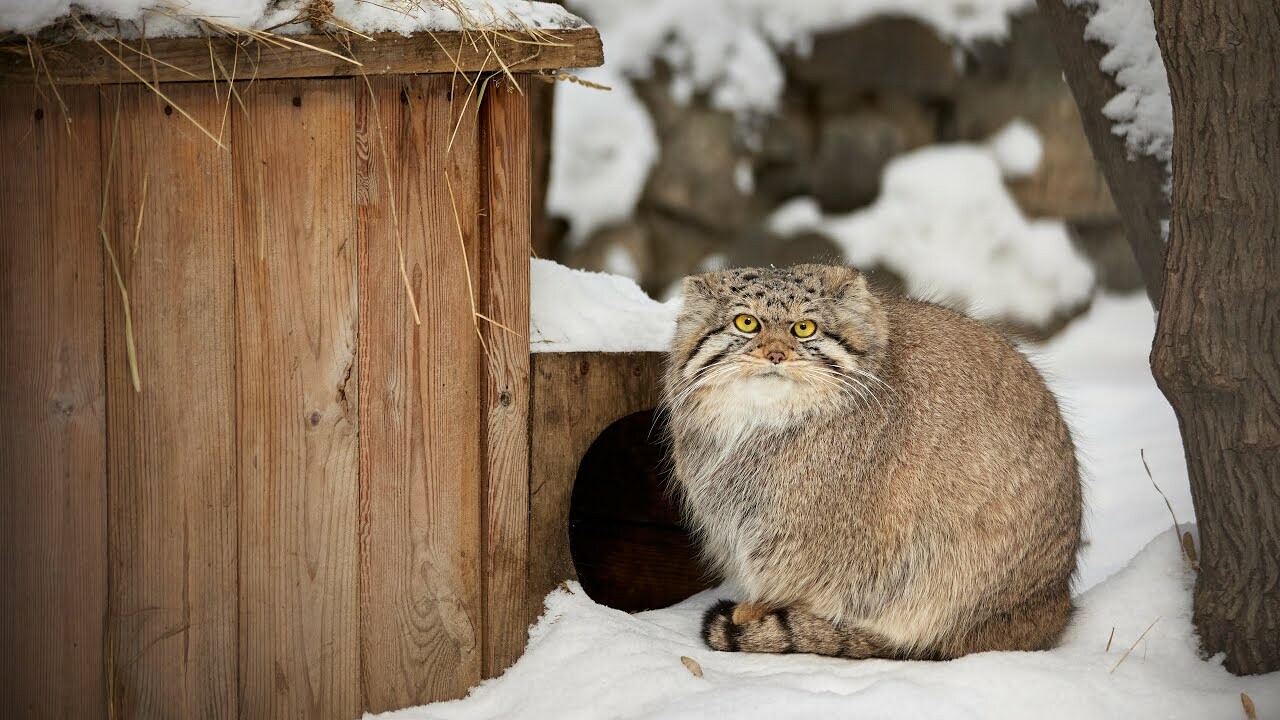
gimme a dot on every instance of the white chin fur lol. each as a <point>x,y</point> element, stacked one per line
<point>769,398</point>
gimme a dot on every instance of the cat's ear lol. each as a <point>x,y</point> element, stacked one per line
<point>840,281</point>
<point>706,285</point>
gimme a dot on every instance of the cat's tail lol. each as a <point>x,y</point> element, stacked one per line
<point>789,630</point>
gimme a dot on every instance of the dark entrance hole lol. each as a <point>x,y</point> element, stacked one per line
<point>628,544</point>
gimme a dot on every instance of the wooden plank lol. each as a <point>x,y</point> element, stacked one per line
<point>504,297</point>
<point>296,400</point>
<point>420,416</point>
<point>171,454</point>
<point>573,398</point>
<point>187,59</point>
<point>53,532</point>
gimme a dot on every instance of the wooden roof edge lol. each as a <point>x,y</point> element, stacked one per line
<point>170,60</point>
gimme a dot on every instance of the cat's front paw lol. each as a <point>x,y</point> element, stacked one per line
<point>723,623</point>
<point>718,629</point>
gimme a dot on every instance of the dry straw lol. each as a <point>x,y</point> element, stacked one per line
<point>1185,544</point>
<point>131,350</point>
<point>1134,645</point>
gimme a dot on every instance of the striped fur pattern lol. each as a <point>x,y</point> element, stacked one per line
<point>900,484</point>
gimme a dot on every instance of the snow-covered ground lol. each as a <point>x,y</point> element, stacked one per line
<point>1099,369</point>
<point>589,661</point>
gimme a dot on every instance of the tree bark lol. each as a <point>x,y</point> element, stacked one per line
<point>1137,182</point>
<point>1215,354</point>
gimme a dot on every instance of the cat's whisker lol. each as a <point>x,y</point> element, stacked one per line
<point>725,369</point>
<point>864,390</point>
<point>705,368</point>
<point>874,378</point>
<point>834,380</point>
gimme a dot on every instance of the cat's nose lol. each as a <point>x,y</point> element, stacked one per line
<point>776,357</point>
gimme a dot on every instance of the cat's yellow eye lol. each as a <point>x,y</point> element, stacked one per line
<point>747,323</point>
<point>804,328</point>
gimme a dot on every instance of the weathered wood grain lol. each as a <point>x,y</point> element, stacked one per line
<point>188,59</point>
<point>53,532</point>
<point>1218,330</point>
<point>296,399</point>
<point>421,599</point>
<point>504,297</point>
<point>171,631</point>
<point>563,424</point>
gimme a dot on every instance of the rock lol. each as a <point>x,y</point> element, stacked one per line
<point>622,249</point>
<point>1068,183</point>
<point>884,55</point>
<point>1022,78</point>
<point>694,176</point>
<point>759,247</point>
<point>783,166</point>
<point>854,147</point>
<point>678,248</point>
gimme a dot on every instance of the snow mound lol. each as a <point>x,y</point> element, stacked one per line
<point>1142,111</point>
<point>575,311</point>
<point>1017,149</point>
<point>605,146</point>
<point>589,661</point>
<point>945,222</point>
<point>401,16</point>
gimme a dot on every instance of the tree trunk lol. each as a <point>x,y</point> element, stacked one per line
<point>1137,183</point>
<point>1215,354</point>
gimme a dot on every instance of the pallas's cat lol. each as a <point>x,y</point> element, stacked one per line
<point>873,476</point>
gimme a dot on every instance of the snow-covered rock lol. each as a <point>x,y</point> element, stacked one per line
<point>945,222</point>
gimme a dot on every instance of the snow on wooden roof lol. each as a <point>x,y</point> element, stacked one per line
<point>114,41</point>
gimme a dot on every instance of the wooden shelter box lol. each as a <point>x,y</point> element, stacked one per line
<point>265,390</point>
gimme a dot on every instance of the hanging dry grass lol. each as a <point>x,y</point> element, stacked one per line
<point>570,78</point>
<point>131,350</point>
<point>391,199</point>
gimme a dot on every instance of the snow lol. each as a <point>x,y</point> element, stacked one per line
<point>1099,369</point>
<point>1017,149</point>
<point>575,310</point>
<point>589,661</point>
<point>604,146</point>
<point>1142,111</point>
<point>400,16</point>
<point>945,222</point>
